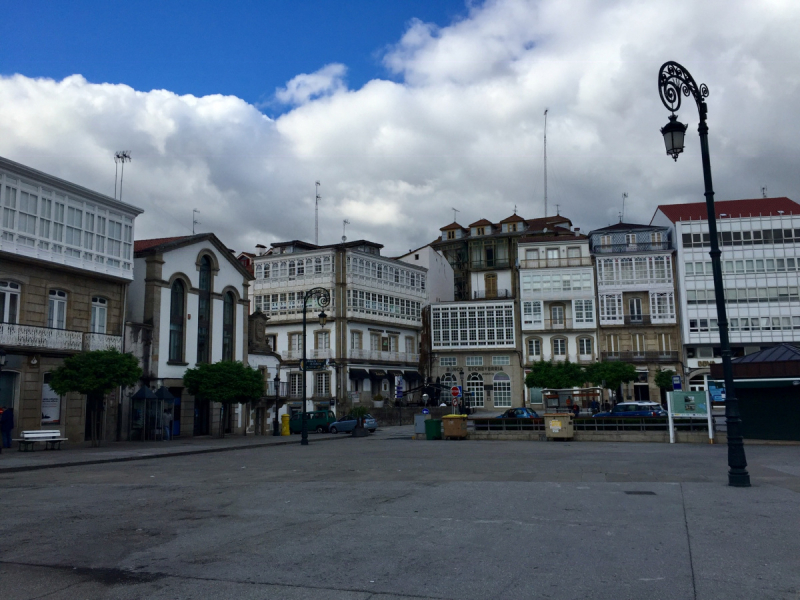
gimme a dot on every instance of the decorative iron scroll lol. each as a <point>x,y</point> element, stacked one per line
<point>674,80</point>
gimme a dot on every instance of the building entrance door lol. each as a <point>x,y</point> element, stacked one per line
<point>201,416</point>
<point>176,410</point>
<point>641,393</point>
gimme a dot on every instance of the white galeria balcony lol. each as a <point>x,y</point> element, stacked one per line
<point>29,336</point>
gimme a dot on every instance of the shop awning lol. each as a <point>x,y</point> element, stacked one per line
<point>358,374</point>
<point>377,372</point>
<point>395,372</point>
<point>144,393</point>
<point>163,393</point>
<point>412,376</point>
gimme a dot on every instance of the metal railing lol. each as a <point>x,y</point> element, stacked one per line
<point>634,247</point>
<point>310,353</point>
<point>102,341</point>
<point>491,294</point>
<point>557,324</point>
<point>404,357</point>
<point>31,336</point>
<point>552,263</point>
<point>593,424</point>
<point>493,424</point>
<point>640,356</point>
<point>500,263</point>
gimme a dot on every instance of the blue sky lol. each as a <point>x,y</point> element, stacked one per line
<point>244,48</point>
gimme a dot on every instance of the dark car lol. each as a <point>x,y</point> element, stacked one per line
<point>318,421</point>
<point>519,413</point>
<point>348,423</point>
<point>634,409</point>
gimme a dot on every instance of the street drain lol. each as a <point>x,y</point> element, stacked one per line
<point>637,493</point>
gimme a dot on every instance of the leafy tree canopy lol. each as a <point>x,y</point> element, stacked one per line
<point>555,375</point>
<point>95,373</point>
<point>614,373</point>
<point>663,378</point>
<point>226,382</point>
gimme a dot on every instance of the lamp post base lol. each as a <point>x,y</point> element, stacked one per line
<point>738,478</point>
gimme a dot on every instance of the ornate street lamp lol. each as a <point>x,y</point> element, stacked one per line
<point>276,427</point>
<point>323,299</point>
<point>674,81</point>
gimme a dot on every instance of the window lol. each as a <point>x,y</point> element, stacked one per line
<point>637,343</point>
<point>472,325</point>
<point>635,309</point>
<point>630,239</point>
<point>480,231</point>
<point>356,340</point>
<point>228,321</point>
<point>447,361</point>
<point>552,254</point>
<point>474,361</point>
<point>612,343</point>
<point>532,313</point>
<point>26,222</point>
<point>535,348</point>
<point>451,235</point>
<point>585,346</point>
<point>295,343</point>
<point>573,253</point>
<point>502,390</point>
<point>99,312</point>
<point>322,340</point>
<point>656,237</point>
<point>557,315</point>
<point>9,208</point>
<point>375,342</point>
<point>664,343</point>
<point>611,308</point>
<point>57,309</point>
<point>204,312</point>
<point>411,345</point>
<point>322,384</point>
<point>176,319</point>
<point>584,311</point>
<point>296,385</point>
<point>559,347</point>
<point>475,390</point>
<point>500,360</point>
<point>605,240</point>
<point>490,281</point>
<point>9,302</point>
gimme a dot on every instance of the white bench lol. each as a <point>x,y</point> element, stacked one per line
<point>51,437</point>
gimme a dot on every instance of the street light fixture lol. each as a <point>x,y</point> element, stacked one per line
<point>463,396</point>
<point>673,81</point>
<point>323,299</point>
<point>2,364</point>
<point>276,428</point>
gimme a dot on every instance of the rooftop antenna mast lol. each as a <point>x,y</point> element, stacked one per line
<point>122,156</point>
<point>317,198</point>
<point>345,223</point>
<point>764,191</point>
<point>194,219</point>
<point>622,214</point>
<point>455,218</point>
<point>545,161</point>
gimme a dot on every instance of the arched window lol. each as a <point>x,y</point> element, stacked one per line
<point>448,380</point>
<point>9,302</point>
<point>57,309</point>
<point>502,390</point>
<point>176,319</point>
<point>228,321</point>
<point>291,268</point>
<point>475,390</point>
<point>204,311</point>
<point>99,313</point>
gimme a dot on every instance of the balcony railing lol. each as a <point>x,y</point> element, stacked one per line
<point>636,247</point>
<point>499,263</point>
<point>310,353</point>
<point>29,336</point>
<point>552,263</point>
<point>557,324</point>
<point>491,294</point>
<point>658,319</point>
<point>640,356</point>
<point>283,388</point>
<point>378,355</point>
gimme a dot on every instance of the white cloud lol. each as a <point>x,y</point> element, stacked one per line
<point>461,128</point>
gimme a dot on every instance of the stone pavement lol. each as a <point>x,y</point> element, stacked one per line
<point>389,518</point>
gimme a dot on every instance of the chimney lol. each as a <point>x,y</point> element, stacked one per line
<point>260,249</point>
<point>577,231</point>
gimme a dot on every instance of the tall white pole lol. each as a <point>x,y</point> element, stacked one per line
<point>545,162</point>
<point>316,215</point>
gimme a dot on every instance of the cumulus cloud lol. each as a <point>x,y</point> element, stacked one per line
<point>460,124</point>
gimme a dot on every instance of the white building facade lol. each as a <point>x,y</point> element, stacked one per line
<point>759,240</point>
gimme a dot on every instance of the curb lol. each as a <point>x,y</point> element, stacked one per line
<point>118,459</point>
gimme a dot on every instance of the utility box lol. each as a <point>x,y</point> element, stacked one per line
<point>419,425</point>
<point>433,429</point>
<point>285,425</point>
<point>455,426</point>
<point>558,426</point>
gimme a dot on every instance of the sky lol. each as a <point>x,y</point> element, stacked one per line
<point>402,110</point>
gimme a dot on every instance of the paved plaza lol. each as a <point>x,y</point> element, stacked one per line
<point>387,517</point>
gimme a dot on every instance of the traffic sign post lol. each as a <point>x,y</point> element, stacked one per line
<point>677,385</point>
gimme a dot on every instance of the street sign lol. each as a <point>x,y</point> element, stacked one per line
<point>312,365</point>
<point>676,383</point>
<point>455,391</point>
<point>455,401</point>
<point>689,404</point>
<point>398,387</point>
<point>425,411</point>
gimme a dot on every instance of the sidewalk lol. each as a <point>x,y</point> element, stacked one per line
<point>12,460</point>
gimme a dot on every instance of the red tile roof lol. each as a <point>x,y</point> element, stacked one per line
<point>764,207</point>
<point>481,223</point>
<point>515,218</point>
<point>140,245</point>
<point>452,225</point>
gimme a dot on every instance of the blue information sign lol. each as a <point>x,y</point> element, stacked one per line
<point>676,383</point>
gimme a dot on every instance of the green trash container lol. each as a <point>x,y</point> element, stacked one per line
<point>433,429</point>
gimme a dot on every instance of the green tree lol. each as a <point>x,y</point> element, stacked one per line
<point>95,374</point>
<point>226,382</point>
<point>555,375</point>
<point>663,379</point>
<point>613,373</point>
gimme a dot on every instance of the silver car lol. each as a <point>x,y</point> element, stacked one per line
<point>348,423</point>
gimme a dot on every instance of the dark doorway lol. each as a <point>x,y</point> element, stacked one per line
<point>641,393</point>
<point>176,410</point>
<point>201,416</point>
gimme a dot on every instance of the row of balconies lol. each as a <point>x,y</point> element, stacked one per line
<point>353,354</point>
<point>551,263</point>
<point>660,319</point>
<point>46,338</point>
<point>640,356</point>
<point>557,325</point>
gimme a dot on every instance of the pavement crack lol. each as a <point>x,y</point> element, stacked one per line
<point>688,543</point>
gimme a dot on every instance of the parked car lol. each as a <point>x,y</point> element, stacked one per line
<point>634,409</point>
<point>318,420</point>
<point>348,423</point>
<point>519,413</point>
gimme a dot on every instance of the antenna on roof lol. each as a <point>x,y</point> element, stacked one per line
<point>545,161</point>
<point>122,156</point>
<point>455,218</point>
<point>622,214</point>
<point>515,209</point>
<point>317,198</point>
<point>557,210</point>
<point>764,191</point>
<point>194,219</point>
<point>345,223</point>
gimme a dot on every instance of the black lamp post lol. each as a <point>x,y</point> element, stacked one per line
<point>674,80</point>
<point>276,427</point>
<point>2,364</point>
<point>463,396</point>
<point>323,298</point>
